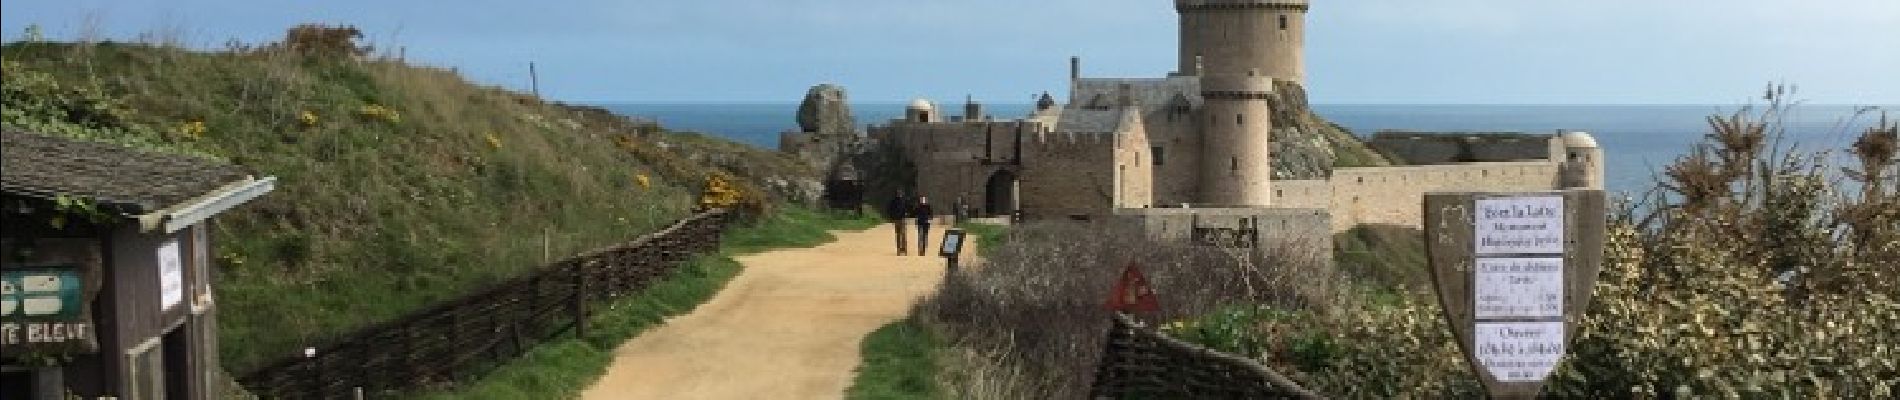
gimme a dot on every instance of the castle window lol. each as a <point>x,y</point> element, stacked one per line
<point>1157,152</point>
<point>1237,120</point>
<point>1233,163</point>
<point>1283,22</point>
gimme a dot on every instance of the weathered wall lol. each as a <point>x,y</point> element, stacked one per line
<point>1234,36</point>
<point>1393,195</point>
<point>1422,148</point>
<point>958,159</point>
<point>1309,193</point>
<point>1068,174</point>
<point>1279,227</point>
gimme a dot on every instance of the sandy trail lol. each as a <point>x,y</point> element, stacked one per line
<point>788,327</point>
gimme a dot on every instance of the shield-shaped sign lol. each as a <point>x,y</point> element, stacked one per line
<point>1514,272</point>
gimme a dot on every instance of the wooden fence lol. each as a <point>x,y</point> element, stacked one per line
<point>461,338</point>
<point>1143,363</point>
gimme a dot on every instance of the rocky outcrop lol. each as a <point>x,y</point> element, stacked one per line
<point>825,111</point>
<point>1306,146</point>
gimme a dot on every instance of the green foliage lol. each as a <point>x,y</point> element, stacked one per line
<point>988,236</point>
<point>795,227</point>
<point>390,195</point>
<point>1757,278</point>
<point>1385,257</point>
<point>899,362</point>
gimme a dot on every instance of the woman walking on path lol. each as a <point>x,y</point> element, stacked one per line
<point>923,215</point>
<point>895,211</point>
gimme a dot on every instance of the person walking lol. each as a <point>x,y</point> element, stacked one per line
<point>895,212</point>
<point>923,214</point>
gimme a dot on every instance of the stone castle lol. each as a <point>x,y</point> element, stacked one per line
<point>1226,139</point>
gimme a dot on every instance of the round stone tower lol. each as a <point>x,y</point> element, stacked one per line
<point>1236,36</point>
<point>1580,159</point>
<point>1236,129</point>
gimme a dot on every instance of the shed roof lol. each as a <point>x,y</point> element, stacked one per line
<point>133,181</point>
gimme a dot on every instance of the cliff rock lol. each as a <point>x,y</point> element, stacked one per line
<point>825,111</point>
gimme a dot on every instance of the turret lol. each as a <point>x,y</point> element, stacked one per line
<point>920,110</point>
<point>1236,36</point>
<point>1580,159</point>
<point>1236,134</point>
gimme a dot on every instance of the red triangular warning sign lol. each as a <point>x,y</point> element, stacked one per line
<point>1132,293</point>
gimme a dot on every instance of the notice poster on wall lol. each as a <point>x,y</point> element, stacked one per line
<point>171,276</point>
<point>1519,225</point>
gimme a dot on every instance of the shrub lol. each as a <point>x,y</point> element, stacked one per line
<point>1032,317</point>
<point>1753,272</point>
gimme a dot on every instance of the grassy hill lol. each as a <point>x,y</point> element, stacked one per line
<point>400,185</point>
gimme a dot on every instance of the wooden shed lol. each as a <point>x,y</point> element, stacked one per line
<point>106,258</point>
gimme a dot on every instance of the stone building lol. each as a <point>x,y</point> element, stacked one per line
<point>1228,137</point>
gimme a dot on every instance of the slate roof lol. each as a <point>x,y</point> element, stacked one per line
<point>1151,94</point>
<point>1082,120</point>
<point>138,182</point>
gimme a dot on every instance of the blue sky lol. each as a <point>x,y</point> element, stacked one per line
<point>1358,51</point>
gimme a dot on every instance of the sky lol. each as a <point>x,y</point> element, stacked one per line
<point>1358,51</point>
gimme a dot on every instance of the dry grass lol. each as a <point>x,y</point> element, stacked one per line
<point>1030,323</point>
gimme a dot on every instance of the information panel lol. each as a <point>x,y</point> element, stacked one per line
<point>171,275</point>
<point>1519,351</point>
<point>1519,225</point>
<point>1519,287</point>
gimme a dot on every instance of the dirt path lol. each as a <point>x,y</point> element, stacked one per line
<point>788,327</point>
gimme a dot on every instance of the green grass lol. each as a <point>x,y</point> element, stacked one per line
<point>900,362</point>
<point>373,217</point>
<point>988,236</point>
<point>1384,257</point>
<point>795,227</point>
<point>564,367</point>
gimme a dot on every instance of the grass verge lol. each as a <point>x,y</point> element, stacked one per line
<point>899,362</point>
<point>988,236</point>
<point>563,367</point>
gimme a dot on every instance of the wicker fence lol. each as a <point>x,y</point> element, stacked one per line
<point>461,338</point>
<point>1142,363</point>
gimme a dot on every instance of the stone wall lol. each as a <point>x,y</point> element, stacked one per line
<point>1422,148</point>
<point>1394,195</point>
<point>1068,174</point>
<point>958,159</point>
<point>1278,227</point>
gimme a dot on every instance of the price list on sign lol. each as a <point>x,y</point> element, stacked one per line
<point>1518,285</point>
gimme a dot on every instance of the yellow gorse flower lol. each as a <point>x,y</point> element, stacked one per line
<point>379,112</point>
<point>307,118</point>
<point>642,180</point>
<point>494,142</point>
<point>193,129</point>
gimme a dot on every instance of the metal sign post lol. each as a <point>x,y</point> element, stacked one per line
<point>1514,273</point>
<point>951,247</point>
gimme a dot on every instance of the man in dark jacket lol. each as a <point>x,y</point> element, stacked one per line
<point>895,211</point>
<point>923,215</point>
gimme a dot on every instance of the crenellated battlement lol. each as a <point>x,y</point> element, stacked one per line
<point>1221,5</point>
<point>1055,140</point>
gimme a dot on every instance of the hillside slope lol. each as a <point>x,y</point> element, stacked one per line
<point>399,185</point>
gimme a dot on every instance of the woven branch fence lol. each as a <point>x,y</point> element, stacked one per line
<point>1143,363</point>
<point>461,338</point>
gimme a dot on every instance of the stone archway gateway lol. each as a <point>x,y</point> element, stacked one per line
<point>1000,193</point>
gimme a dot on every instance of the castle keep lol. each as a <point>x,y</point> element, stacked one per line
<point>1226,138</point>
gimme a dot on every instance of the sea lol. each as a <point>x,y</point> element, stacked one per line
<point>1637,140</point>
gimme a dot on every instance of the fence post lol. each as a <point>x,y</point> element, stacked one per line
<point>580,301</point>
